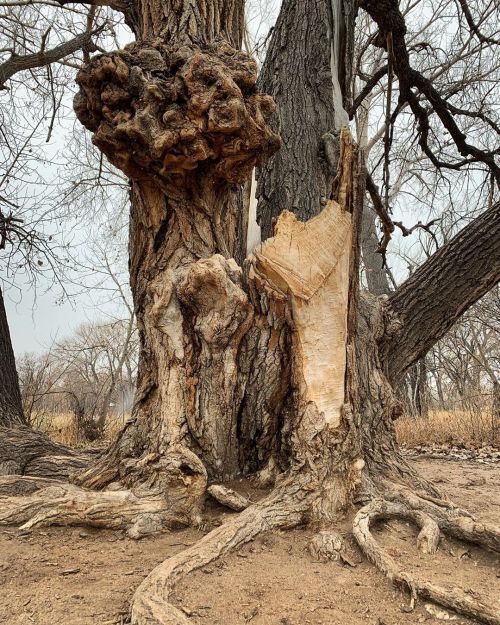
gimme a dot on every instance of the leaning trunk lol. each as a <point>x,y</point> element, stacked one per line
<point>11,407</point>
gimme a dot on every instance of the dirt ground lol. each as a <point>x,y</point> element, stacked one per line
<point>79,576</point>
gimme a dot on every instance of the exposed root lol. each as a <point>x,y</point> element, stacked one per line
<point>139,513</point>
<point>282,509</point>
<point>326,546</point>
<point>427,540</point>
<point>24,451</point>
<point>454,521</point>
<point>18,485</point>
<point>228,497</point>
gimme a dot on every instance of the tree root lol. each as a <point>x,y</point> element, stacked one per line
<point>282,509</point>
<point>228,497</point>
<point>139,513</point>
<point>453,520</point>
<point>427,541</point>
<point>24,451</point>
<point>17,485</point>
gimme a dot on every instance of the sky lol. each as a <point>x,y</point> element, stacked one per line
<point>36,320</point>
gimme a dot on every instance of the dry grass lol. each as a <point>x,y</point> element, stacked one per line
<point>441,427</point>
<point>62,428</point>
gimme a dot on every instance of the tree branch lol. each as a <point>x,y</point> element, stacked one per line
<point>392,27</point>
<point>45,57</point>
<point>367,89</point>
<point>427,305</point>
<point>474,27</point>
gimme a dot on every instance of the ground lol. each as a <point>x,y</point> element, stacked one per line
<point>78,576</point>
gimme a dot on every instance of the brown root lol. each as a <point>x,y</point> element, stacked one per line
<point>24,451</point>
<point>326,546</point>
<point>454,521</point>
<point>18,485</point>
<point>285,508</point>
<point>140,514</point>
<point>428,539</point>
<point>228,497</point>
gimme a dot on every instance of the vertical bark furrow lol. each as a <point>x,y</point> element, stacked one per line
<point>193,20</point>
<point>298,73</point>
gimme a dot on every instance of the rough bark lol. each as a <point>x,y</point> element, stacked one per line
<point>139,513</point>
<point>427,305</point>
<point>373,262</point>
<point>190,20</point>
<point>306,76</point>
<point>11,407</point>
<point>24,451</point>
<point>199,125</point>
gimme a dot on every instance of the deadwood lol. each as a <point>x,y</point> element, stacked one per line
<point>427,305</point>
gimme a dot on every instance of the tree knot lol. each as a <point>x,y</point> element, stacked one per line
<point>158,111</point>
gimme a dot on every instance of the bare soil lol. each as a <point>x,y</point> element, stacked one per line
<point>77,576</point>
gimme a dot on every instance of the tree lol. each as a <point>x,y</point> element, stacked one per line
<point>11,408</point>
<point>277,366</point>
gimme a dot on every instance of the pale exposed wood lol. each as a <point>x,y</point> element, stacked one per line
<point>310,261</point>
<point>228,497</point>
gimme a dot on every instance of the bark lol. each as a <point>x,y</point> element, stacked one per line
<point>373,261</point>
<point>24,451</point>
<point>200,129</point>
<point>306,76</point>
<point>427,305</point>
<point>11,407</point>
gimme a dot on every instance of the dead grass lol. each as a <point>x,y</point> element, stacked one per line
<point>441,427</point>
<point>62,428</point>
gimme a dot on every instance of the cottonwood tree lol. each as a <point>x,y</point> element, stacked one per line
<point>278,365</point>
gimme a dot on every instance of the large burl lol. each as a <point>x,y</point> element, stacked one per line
<point>161,111</point>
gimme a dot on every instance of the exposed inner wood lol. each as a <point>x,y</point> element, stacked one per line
<point>310,262</point>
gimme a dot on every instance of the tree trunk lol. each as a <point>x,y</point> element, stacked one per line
<point>11,407</point>
<point>200,131</point>
<point>373,262</point>
<point>274,366</point>
<point>308,75</point>
<point>426,306</point>
<point>231,379</point>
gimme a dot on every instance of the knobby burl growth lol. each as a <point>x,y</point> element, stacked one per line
<point>157,110</point>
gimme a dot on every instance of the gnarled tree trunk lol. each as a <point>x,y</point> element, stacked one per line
<point>276,366</point>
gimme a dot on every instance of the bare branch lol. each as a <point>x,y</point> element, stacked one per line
<point>42,58</point>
